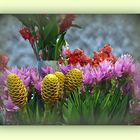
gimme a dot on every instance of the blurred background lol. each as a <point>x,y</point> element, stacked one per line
<point>121,31</point>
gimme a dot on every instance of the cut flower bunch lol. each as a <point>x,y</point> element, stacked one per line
<point>84,90</point>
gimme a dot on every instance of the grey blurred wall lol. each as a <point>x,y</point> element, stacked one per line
<point>121,31</point>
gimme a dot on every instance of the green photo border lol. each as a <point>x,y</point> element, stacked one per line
<point>70,132</point>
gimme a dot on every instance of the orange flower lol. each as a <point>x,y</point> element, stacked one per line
<point>106,49</point>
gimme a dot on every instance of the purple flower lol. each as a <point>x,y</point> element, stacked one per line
<point>124,64</point>
<point>117,69</point>
<point>87,78</point>
<point>46,70</point>
<point>97,74</point>
<point>87,75</point>
<point>66,68</point>
<point>105,66</point>
<point>36,80</point>
<point>9,105</point>
<point>104,70</point>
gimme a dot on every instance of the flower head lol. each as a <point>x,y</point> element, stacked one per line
<point>50,88</point>
<point>66,22</point>
<point>88,75</point>
<point>97,74</point>
<point>124,64</point>
<point>3,61</point>
<point>105,66</point>
<point>26,34</point>
<point>73,79</point>
<point>46,69</point>
<point>16,90</point>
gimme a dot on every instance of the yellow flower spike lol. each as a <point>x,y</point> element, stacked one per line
<point>17,90</point>
<point>50,88</point>
<point>61,79</point>
<point>73,79</point>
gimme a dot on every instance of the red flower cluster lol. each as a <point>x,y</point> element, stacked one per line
<point>26,34</point>
<point>105,53</point>
<point>66,22</point>
<point>78,56</point>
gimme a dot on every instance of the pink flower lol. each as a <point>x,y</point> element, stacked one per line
<point>88,78</point>
<point>124,64</point>
<point>97,74</point>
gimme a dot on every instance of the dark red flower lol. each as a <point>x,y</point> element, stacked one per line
<point>60,61</point>
<point>37,35</point>
<point>31,40</point>
<point>25,33</point>
<point>66,22</point>
<point>3,61</point>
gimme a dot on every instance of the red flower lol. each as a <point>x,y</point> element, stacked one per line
<point>106,49</point>
<point>113,59</point>
<point>66,22</point>
<point>31,40</point>
<point>3,61</point>
<point>60,61</point>
<point>25,33</point>
<point>78,52</point>
<point>37,35</point>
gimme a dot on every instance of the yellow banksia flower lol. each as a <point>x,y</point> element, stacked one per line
<point>73,79</point>
<point>61,79</point>
<point>50,88</point>
<point>17,90</point>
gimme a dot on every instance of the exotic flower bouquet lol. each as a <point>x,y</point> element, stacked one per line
<point>102,89</point>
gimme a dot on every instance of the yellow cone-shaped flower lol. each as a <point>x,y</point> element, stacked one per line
<point>73,79</point>
<point>50,88</point>
<point>16,90</point>
<point>61,79</point>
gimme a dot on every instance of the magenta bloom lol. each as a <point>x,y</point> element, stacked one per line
<point>106,67</point>
<point>9,105</point>
<point>36,80</point>
<point>104,70</point>
<point>47,69</point>
<point>65,68</point>
<point>117,69</point>
<point>127,62</point>
<point>124,64</point>
<point>87,75</point>
<point>97,74</point>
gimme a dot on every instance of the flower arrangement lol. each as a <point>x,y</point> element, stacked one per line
<point>83,90</point>
<point>96,90</point>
